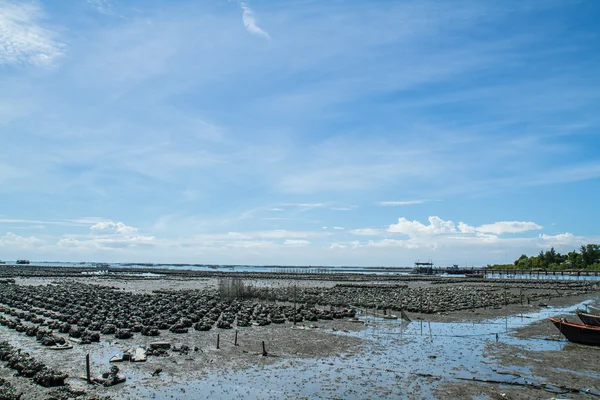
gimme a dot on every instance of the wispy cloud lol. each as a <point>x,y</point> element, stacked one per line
<point>250,22</point>
<point>102,6</point>
<point>348,208</point>
<point>68,222</point>
<point>305,205</point>
<point>394,103</point>
<point>23,38</point>
<point>367,232</point>
<point>402,203</point>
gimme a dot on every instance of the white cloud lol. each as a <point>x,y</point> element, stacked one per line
<point>343,208</point>
<point>405,244</point>
<point>508,227</point>
<point>337,246</point>
<point>292,242</point>
<point>464,228</point>
<point>68,242</point>
<point>110,227</point>
<point>436,226</point>
<point>68,222</point>
<point>23,40</point>
<point>10,239</point>
<point>561,237</point>
<point>402,203</point>
<point>282,234</point>
<point>251,235</point>
<point>339,228</point>
<point>305,205</point>
<point>248,244</point>
<point>102,6</point>
<point>250,22</point>
<point>366,232</point>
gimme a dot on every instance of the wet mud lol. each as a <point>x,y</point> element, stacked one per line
<point>297,338</point>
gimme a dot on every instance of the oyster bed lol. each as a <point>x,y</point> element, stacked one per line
<point>85,314</point>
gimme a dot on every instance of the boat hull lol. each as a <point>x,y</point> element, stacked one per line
<point>588,319</point>
<point>578,333</point>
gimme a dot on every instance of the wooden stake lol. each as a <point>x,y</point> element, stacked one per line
<point>264,349</point>
<point>295,288</point>
<point>235,343</point>
<point>87,368</point>
<point>430,333</point>
<point>218,340</point>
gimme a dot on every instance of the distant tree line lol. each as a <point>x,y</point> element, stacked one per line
<point>588,257</point>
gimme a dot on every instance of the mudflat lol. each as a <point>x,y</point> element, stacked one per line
<point>283,335</point>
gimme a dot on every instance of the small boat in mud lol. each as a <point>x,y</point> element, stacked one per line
<point>588,319</point>
<point>474,275</point>
<point>578,333</point>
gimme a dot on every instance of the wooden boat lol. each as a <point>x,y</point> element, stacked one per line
<point>474,275</point>
<point>578,333</point>
<point>588,319</point>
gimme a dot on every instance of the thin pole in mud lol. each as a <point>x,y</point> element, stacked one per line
<point>401,323</point>
<point>87,368</point>
<point>295,288</point>
<point>430,333</point>
<point>218,340</point>
<point>264,353</point>
<point>235,343</point>
<point>421,327</point>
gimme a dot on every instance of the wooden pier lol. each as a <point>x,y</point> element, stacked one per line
<point>508,273</point>
<point>536,273</point>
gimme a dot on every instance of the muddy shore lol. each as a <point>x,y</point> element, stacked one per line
<point>324,345</point>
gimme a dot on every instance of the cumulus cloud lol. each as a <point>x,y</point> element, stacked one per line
<point>501,227</point>
<point>10,239</point>
<point>23,40</point>
<point>436,226</point>
<point>464,228</point>
<point>337,246</point>
<point>250,22</point>
<point>561,237</point>
<point>110,227</point>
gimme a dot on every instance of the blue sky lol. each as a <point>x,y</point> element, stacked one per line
<point>298,132</point>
